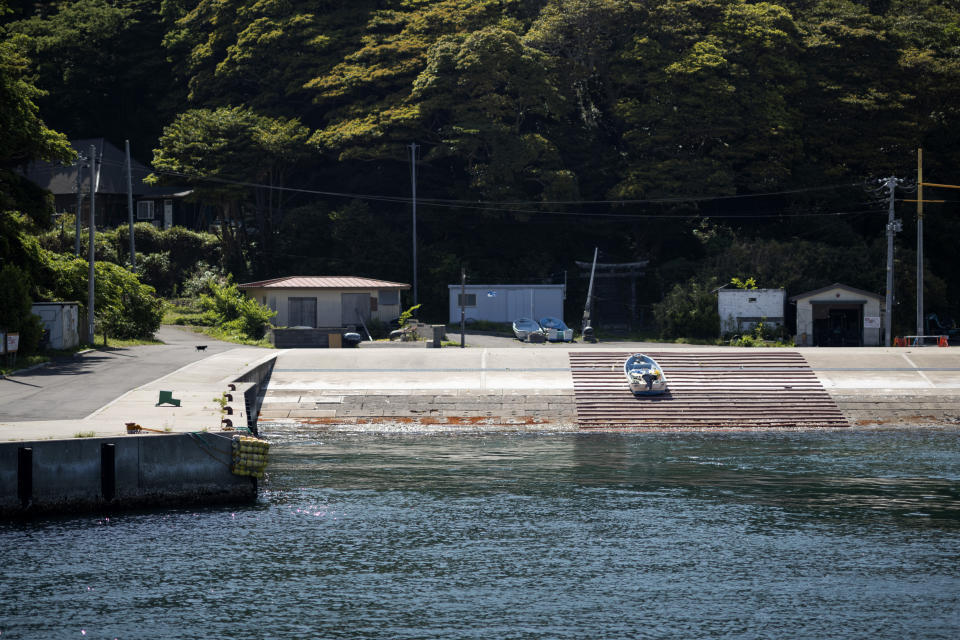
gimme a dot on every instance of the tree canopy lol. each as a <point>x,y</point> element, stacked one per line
<point>714,137</point>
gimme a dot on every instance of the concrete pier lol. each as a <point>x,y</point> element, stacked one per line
<point>181,454</point>
<point>84,474</point>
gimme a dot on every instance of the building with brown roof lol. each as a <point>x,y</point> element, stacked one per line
<point>327,301</point>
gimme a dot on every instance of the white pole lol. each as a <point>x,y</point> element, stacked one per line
<point>90,250</point>
<point>891,230</point>
<point>413,181</point>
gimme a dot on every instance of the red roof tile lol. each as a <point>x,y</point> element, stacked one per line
<point>323,282</point>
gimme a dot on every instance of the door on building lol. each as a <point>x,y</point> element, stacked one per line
<point>841,326</point>
<point>354,306</point>
<point>302,312</point>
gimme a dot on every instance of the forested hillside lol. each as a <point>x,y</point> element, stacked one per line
<point>716,138</point>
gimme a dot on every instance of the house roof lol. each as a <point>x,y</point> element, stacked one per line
<point>323,282</point>
<point>112,174</point>
<point>836,285</point>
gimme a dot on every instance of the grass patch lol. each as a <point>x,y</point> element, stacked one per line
<point>227,336</point>
<point>482,325</point>
<point>182,311</point>
<point>23,362</point>
<point>85,434</point>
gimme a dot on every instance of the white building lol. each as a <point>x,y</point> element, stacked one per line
<point>838,316</point>
<point>327,301</point>
<point>507,302</point>
<point>61,320</point>
<point>741,309</point>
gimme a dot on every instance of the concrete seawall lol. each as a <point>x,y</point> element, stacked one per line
<point>182,456</point>
<point>85,474</point>
<point>511,388</point>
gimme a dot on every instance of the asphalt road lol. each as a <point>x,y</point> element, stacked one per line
<point>75,388</point>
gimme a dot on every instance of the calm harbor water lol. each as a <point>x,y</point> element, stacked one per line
<point>839,534</point>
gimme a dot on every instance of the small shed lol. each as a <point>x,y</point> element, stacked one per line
<point>741,309</point>
<point>61,320</point>
<point>327,301</point>
<point>838,316</point>
<point>507,302</point>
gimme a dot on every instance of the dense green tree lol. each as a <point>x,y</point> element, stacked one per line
<point>222,151</point>
<point>104,70</point>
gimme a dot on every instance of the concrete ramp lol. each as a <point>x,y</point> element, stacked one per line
<point>706,389</point>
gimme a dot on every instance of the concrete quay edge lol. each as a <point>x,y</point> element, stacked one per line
<point>477,386</point>
<point>196,385</point>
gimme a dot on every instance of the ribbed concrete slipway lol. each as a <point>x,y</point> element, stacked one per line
<point>774,388</point>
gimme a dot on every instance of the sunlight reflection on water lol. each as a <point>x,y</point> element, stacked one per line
<point>801,535</point>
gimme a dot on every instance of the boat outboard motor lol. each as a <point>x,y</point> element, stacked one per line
<point>352,339</point>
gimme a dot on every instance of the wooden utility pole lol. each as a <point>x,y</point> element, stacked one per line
<point>920,185</point>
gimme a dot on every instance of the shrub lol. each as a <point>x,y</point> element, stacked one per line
<point>227,307</point>
<point>16,309</point>
<point>123,306</point>
<point>689,311</point>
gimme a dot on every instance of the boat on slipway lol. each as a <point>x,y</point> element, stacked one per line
<point>644,375</point>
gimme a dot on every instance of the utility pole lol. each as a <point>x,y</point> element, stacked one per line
<point>413,182</point>
<point>893,226</point>
<point>463,303</point>
<point>90,251</point>
<point>920,243</point>
<point>133,247</point>
<point>76,236</point>
<point>920,185</point>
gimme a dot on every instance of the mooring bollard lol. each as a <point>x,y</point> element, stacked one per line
<point>25,475</point>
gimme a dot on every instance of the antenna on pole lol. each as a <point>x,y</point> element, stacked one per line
<point>587,330</point>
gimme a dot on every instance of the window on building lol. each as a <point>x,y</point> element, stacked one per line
<point>466,300</point>
<point>389,296</point>
<point>145,210</point>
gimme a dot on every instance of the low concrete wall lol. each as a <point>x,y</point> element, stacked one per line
<point>302,338</point>
<point>129,471</point>
<point>251,385</point>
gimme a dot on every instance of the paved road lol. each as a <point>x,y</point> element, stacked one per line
<point>75,388</point>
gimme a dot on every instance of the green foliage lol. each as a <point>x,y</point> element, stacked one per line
<point>409,313</point>
<point>749,283</point>
<point>529,114</point>
<point>228,308</point>
<point>84,50</point>
<point>762,335</point>
<point>689,310</point>
<point>15,309</point>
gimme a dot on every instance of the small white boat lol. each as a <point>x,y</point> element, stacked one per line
<point>644,375</point>
<point>556,330</point>
<point>523,328</point>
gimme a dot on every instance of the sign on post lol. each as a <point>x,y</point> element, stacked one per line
<point>12,342</point>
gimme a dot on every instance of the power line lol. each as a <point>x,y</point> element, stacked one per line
<point>515,207</point>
